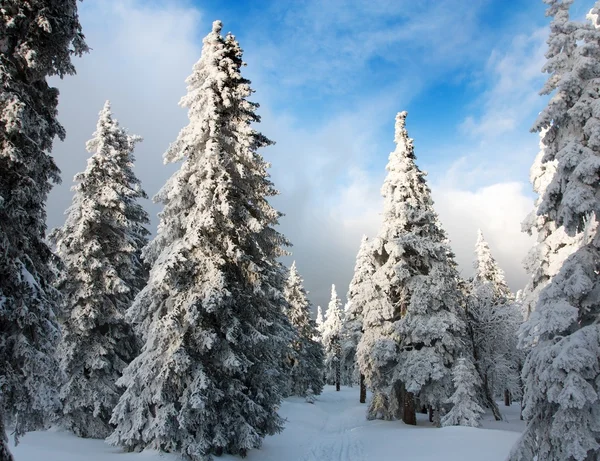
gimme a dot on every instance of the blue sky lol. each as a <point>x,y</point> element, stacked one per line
<point>330,77</point>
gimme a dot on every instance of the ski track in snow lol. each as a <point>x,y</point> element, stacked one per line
<point>334,428</point>
<point>336,442</point>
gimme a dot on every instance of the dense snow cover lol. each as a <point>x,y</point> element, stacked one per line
<point>561,373</point>
<point>209,377</point>
<point>37,41</point>
<point>332,429</point>
<point>412,323</point>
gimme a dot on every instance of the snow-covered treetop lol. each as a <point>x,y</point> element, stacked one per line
<point>332,326</point>
<point>296,296</point>
<point>319,319</point>
<point>487,271</point>
<point>406,196</point>
<point>221,162</point>
<point>572,119</point>
<point>361,285</point>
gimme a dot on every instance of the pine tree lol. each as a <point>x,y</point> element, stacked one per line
<point>465,409</point>
<point>360,290</point>
<point>562,371</point>
<point>412,328</point>
<point>493,323</point>
<point>207,380</point>
<point>332,338</point>
<point>308,356</point>
<point>100,246</point>
<point>38,40</point>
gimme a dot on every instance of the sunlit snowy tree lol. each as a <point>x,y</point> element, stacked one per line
<point>360,291</point>
<point>100,246</point>
<point>37,40</point>
<point>494,322</point>
<point>332,339</point>
<point>412,328</point>
<point>465,410</point>
<point>208,378</point>
<point>308,355</point>
<point>562,371</point>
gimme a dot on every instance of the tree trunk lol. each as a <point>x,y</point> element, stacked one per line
<point>363,389</point>
<point>507,399</point>
<point>430,409</point>
<point>338,371</point>
<point>521,412</point>
<point>490,400</point>
<point>409,415</point>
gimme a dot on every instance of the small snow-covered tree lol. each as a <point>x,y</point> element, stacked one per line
<point>37,40</point>
<point>359,292</point>
<point>562,371</point>
<point>332,338</point>
<point>465,410</point>
<point>307,354</point>
<point>100,245</point>
<point>208,378</point>
<point>412,327</point>
<point>494,322</point>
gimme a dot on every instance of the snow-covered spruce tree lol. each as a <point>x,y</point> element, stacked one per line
<point>359,292</point>
<point>308,355</point>
<point>465,409</point>
<point>493,325</point>
<point>332,339</point>
<point>553,246</point>
<point>562,371</point>
<point>319,322</point>
<point>37,40</point>
<point>412,328</point>
<point>212,314</point>
<point>100,245</point>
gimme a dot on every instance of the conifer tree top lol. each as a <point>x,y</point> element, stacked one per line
<point>407,198</point>
<point>217,26</point>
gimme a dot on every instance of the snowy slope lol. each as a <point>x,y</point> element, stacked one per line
<point>333,429</point>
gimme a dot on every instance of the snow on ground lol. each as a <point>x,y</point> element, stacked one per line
<point>333,429</point>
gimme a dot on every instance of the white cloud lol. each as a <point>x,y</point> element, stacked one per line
<point>497,210</point>
<point>139,60</point>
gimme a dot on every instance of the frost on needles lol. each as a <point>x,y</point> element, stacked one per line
<point>207,380</point>
<point>100,247</point>
<point>562,371</point>
<point>413,328</point>
<point>38,41</point>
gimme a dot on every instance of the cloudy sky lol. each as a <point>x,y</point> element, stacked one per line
<point>330,77</point>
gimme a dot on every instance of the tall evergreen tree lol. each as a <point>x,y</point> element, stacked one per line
<point>494,321</point>
<point>332,339</point>
<point>360,291</point>
<point>38,40</point>
<point>562,370</point>
<point>100,246</point>
<point>212,314</point>
<point>308,355</point>
<point>412,327</point>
